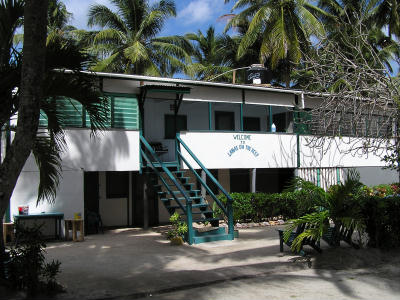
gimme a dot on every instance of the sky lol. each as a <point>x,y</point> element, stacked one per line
<point>192,15</point>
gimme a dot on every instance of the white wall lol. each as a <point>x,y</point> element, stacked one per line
<point>222,150</point>
<point>335,153</point>
<point>110,150</point>
<point>374,175</point>
<point>113,150</point>
<point>69,195</point>
<point>217,150</point>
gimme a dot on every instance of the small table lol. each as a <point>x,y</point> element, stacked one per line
<point>76,225</point>
<point>56,216</point>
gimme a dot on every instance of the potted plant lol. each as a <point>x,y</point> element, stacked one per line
<point>178,230</point>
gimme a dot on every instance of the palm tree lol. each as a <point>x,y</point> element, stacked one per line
<point>388,13</point>
<point>340,206</point>
<point>285,28</point>
<point>61,53</point>
<point>127,42</point>
<point>210,55</point>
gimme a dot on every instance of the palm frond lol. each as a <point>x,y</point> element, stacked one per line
<point>103,16</point>
<point>48,159</point>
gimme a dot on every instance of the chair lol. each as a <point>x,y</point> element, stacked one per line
<point>339,233</point>
<point>306,241</point>
<point>94,224</point>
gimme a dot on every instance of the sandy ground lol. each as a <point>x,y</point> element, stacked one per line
<point>138,264</point>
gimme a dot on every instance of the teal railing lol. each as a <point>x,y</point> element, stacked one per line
<point>228,209</point>
<point>187,209</point>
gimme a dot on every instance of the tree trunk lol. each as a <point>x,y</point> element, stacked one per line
<point>33,66</point>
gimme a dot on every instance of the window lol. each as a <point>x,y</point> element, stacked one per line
<point>224,120</point>
<point>181,125</point>
<point>122,112</point>
<point>117,184</point>
<point>251,124</point>
<point>283,122</point>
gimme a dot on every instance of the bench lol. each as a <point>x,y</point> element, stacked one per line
<point>306,241</point>
<point>338,233</point>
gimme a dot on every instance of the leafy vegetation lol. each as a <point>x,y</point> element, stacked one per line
<point>128,42</point>
<point>370,210</point>
<point>27,268</point>
<point>300,198</point>
<point>179,227</point>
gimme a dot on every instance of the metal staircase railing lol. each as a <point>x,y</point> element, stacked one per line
<point>187,209</point>
<point>228,209</point>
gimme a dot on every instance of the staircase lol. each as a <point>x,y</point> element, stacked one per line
<point>177,193</point>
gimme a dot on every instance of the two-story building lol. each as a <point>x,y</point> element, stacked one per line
<point>245,135</point>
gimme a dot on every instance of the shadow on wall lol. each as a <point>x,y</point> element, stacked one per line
<point>110,150</point>
<point>286,156</point>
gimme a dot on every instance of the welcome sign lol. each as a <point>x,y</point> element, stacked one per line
<point>242,139</point>
<point>230,150</point>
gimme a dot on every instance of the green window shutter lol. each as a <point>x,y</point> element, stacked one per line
<point>125,112</point>
<point>71,111</point>
<point>108,122</point>
<point>42,119</point>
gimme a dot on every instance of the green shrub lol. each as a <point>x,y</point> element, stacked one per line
<point>27,268</point>
<point>290,204</point>
<point>179,228</point>
<point>382,220</point>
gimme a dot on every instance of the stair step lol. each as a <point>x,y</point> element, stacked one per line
<point>184,180</point>
<point>178,173</point>
<point>188,186</point>
<point>202,220</point>
<point>200,212</point>
<point>191,194</point>
<point>181,198</point>
<point>211,231</point>
<point>212,238</point>
<point>193,206</point>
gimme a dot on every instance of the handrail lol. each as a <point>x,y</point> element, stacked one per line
<point>215,181</point>
<point>210,192</point>
<point>168,172</point>
<point>228,210</point>
<point>162,180</point>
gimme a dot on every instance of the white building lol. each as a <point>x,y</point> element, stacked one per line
<point>228,127</point>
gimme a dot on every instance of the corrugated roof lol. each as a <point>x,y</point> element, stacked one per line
<point>191,82</point>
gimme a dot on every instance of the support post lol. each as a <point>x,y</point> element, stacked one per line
<point>209,116</point>
<point>241,117</point>
<point>230,219</point>
<point>253,178</point>
<point>270,118</point>
<point>190,232</point>
<point>130,202</point>
<point>145,204</point>
<point>298,149</point>
<point>177,158</point>
<point>203,189</point>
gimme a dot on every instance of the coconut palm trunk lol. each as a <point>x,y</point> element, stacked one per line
<point>33,67</point>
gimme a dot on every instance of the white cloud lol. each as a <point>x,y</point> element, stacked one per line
<point>201,11</point>
<point>80,9</point>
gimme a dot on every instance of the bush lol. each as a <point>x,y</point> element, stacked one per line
<point>179,227</point>
<point>382,220</point>
<point>256,207</point>
<point>26,268</point>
